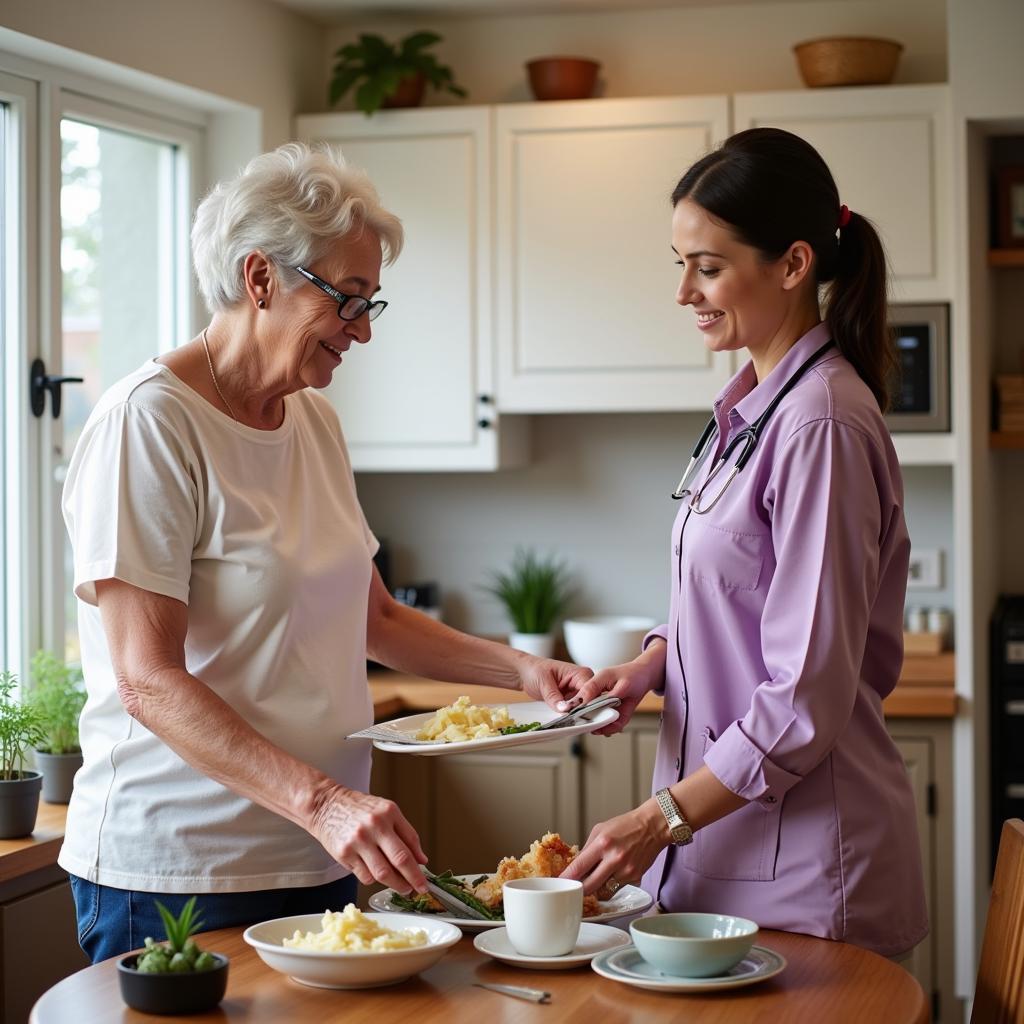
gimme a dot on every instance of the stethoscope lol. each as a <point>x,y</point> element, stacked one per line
<point>748,438</point>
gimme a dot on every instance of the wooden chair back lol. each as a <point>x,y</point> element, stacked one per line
<point>999,993</point>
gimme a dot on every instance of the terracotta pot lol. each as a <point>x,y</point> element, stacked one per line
<point>409,92</point>
<point>562,78</point>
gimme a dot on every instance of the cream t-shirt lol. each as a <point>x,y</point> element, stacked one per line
<point>261,535</point>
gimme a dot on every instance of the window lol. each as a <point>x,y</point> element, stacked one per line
<point>114,189</point>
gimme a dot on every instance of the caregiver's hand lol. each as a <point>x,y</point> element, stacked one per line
<point>622,848</point>
<point>630,682</point>
<point>369,836</point>
<point>553,682</point>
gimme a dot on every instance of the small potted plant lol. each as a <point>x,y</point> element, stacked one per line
<point>387,75</point>
<point>535,592</point>
<point>58,695</point>
<point>20,729</point>
<point>175,977</point>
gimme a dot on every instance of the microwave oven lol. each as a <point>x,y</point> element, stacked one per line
<point>920,390</point>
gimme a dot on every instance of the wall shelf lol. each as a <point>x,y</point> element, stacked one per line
<point>1007,440</point>
<point>1006,257</point>
<point>920,449</point>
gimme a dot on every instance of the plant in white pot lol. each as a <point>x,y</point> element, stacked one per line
<point>535,592</point>
<point>21,728</point>
<point>58,695</point>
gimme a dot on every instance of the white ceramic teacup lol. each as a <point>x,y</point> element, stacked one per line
<point>542,915</point>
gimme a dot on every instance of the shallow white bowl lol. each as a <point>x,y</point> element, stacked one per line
<point>598,641</point>
<point>693,945</point>
<point>349,970</point>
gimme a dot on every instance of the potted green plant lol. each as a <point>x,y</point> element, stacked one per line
<point>386,75</point>
<point>58,695</point>
<point>21,729</point>
<point>535,592</point>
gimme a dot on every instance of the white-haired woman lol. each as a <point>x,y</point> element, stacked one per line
<point>228,599</point>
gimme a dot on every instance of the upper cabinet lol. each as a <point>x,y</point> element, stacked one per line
<point>421,395</point>
<point>586,312</point>
<point>888,149</point>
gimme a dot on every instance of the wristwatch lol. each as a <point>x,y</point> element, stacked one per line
<point>678,827</point>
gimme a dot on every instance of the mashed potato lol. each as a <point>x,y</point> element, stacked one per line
<point>465,721</point>
<point>351,931</point>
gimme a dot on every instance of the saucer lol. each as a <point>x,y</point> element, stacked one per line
<point>593,940</point>
<point>627,966</point>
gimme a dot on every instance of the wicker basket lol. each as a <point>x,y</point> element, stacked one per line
<point>847,61</point>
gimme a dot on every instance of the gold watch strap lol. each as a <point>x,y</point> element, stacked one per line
<point>678,827</point>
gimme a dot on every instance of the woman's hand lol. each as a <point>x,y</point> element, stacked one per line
<point>621,848</point>
<point>371,837</point>
<point>630,682</point>
<point>553,682</point>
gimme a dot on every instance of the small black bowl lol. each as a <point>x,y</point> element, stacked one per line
<point>183,993</point>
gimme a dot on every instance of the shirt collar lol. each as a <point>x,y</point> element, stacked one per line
<point>749,398</point>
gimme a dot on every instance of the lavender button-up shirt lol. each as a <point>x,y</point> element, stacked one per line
<point>784,636</point>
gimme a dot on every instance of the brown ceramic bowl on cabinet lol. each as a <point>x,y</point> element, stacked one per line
<point>562,78</point>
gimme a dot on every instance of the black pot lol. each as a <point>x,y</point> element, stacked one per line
<point>168,994</point>
<point>19,802</point>
<point>58,775</point>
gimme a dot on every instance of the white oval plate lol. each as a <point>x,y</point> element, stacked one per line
<point>593,939</point>
<point>626,965</point>
<point>526,711</point>
<point>630,899</point>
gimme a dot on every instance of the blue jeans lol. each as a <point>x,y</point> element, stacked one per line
<point>116,921</point>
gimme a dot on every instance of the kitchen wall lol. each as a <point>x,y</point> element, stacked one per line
<point>251,51</point>
<point>714,48</point>
<point>596,494</point>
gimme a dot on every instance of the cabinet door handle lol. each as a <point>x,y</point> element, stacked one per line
<point>1015,707</point>
<point>1015,790</point>
<point>483,424</point>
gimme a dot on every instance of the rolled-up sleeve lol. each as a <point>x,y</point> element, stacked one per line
<point>823,500</point>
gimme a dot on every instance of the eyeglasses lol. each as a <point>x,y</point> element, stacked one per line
<point>350,307</point>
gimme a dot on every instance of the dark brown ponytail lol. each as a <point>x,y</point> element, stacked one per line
<point>773,189</point>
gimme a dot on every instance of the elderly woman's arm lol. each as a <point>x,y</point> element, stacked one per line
<point>146,636</point>
<point>404,639</point>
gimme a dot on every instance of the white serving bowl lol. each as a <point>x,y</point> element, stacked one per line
<point>349,970</point>
<point>693,945</point>
<point>598,641</point>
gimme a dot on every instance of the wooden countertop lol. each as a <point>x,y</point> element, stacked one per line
<point>822,980</point>
<point>925,691</point>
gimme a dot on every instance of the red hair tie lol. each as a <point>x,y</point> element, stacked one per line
<point>844,216</point>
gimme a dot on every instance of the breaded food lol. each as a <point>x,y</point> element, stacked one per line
<point>547,857</point>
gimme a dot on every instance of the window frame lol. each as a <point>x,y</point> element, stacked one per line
<point>43,95</point>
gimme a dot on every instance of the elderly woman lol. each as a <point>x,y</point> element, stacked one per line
<point>228,599</point>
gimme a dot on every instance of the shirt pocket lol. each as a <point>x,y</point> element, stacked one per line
<point>742,846</point>
<point>725,559</point>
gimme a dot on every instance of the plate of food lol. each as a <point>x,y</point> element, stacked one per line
<point>547,857</point>
<point>463,726</point>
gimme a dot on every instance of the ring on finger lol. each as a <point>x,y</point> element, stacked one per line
<point>613,885</point>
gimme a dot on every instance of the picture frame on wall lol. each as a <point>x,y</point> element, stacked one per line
<point>1010,207</point>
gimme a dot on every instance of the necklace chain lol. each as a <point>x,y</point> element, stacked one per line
<point>213,376</point>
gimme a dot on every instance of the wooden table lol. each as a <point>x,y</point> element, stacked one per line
<point>824,981</point>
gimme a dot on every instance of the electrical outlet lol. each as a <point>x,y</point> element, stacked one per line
<point>925,572</point>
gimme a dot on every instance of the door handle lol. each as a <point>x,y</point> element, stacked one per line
<point>39,382</point>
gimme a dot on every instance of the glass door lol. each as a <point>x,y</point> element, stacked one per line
<point>125,295</point>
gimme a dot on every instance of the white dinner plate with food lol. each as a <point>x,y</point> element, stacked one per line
<point>593,939</point>
<point>626,965</point>
<point>629,900</point>
<point>524,713</point>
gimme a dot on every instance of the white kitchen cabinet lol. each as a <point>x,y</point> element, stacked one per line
<point>889,151</point>
<point>420,396</point>
<point>587,319</point>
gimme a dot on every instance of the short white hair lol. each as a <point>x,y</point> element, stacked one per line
<point>291,204</point>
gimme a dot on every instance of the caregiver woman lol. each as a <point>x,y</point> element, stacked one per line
<point>785,622</point>
<point>227,595</point>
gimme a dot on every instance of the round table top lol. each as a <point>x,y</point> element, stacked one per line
<point>823,981</point>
